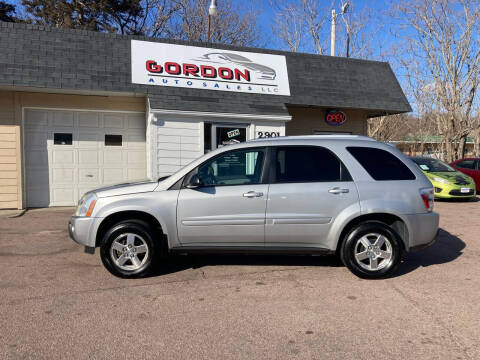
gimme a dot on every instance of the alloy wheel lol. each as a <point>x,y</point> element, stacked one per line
<point>373,251</point>
<point>129,251</point>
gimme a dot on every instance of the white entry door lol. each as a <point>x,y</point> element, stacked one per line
<point>68,153</point>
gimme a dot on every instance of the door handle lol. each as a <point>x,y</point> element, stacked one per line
<point>337,190</point>
<point>252,194</point>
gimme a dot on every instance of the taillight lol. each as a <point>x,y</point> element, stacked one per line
<point>427,197</point>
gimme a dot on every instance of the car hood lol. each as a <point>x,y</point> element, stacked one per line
<point>125,189</point>
<point>454,177</point>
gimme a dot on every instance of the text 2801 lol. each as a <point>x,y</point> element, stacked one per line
<point>267,134</point>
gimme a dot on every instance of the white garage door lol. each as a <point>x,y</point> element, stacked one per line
<point>70,152</point>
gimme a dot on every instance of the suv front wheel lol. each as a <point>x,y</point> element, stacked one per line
<point>127,249</point>
<point>372,250</point>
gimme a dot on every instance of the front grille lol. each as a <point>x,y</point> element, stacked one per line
<point>459,193</point>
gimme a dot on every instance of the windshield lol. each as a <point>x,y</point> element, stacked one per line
<point>432,165</point>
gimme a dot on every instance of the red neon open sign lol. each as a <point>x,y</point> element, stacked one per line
<point>335,117</point>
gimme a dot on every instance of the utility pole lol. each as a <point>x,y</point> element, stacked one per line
<point>333,30</point>
<point>332,33</point>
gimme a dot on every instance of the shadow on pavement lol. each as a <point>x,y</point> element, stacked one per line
<point>454,200</point>
<point>445,249</point>
<point>178,263</point>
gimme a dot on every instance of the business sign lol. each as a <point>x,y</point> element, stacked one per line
<point>210,69</point>
<point>335,117</point>
<point>233,133</point>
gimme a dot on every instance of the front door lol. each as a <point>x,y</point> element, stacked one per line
<point>228,209</point>
<point>228,134</point>
<point>310,187</point>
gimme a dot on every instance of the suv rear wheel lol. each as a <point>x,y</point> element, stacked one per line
<point>372,250</point>
<point>128,249</point>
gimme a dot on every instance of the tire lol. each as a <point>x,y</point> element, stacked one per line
<point>128,249</point>
<point>381,259</point>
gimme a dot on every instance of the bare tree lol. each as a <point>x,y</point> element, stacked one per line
<point>412,131</point>
<point>390,128</point>
<point>476,136</point>
<point>301,24</point>
<point>385,128</point>
<point>288,25</point>
<point>158,17</point>
<point>362,25</point>
<point>304,25</point>
<point>441,39</point>
<point>236,22</point>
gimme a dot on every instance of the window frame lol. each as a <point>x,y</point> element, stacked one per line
<point>345,175</point>
<point>263,175</point>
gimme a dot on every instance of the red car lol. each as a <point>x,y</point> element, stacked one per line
<point>470,167</point>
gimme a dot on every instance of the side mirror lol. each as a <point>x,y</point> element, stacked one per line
<point>194,182</point>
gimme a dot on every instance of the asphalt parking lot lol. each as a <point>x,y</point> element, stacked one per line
<point>58,302</point>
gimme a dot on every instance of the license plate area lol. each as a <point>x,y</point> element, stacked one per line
<point>464,190</point>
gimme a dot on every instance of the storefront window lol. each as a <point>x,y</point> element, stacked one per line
<point>218,135</point>
<point>207,137</point>
<point>230,135</point>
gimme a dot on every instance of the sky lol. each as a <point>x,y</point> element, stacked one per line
<point>267,16</point>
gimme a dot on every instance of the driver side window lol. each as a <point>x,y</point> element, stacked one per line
<point>237,167</point>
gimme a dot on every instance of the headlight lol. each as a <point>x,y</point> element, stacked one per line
<point>86,205</point>
<point>440,180</point>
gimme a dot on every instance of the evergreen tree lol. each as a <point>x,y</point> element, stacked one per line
<point>121,16</point>
<point>7,12</point>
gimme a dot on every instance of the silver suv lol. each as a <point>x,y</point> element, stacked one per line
<point>347,195</point>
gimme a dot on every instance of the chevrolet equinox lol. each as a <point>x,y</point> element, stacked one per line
<point>330,194</point>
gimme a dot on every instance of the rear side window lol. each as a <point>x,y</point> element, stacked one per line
<point>308,164</point>
<point>381,164</point>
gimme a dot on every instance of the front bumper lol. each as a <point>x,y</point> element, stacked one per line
<point>80,228</point>
<point>453,191</point>
<point>423,230</point>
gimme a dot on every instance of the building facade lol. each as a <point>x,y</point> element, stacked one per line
<point>80,110</point>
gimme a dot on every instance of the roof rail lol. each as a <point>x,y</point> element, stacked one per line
<point>317,137</point>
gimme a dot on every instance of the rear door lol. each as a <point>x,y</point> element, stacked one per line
<point>309,188</point>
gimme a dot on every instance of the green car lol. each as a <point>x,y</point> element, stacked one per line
<point>447,182</point>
